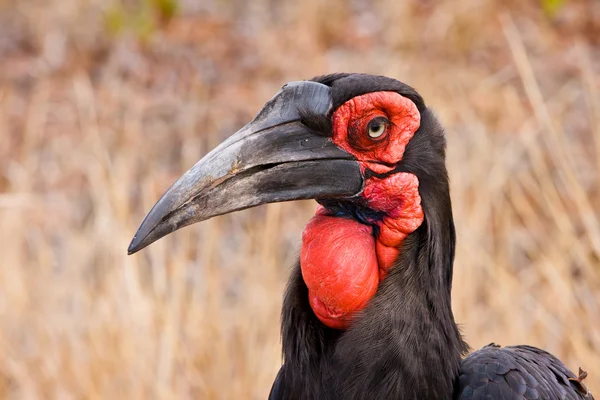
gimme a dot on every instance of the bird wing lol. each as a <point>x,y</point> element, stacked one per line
<point>517,372</point>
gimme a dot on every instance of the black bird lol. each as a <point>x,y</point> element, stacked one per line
<point>367,311</point>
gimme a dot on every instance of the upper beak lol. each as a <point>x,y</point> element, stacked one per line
<point>273,158</point>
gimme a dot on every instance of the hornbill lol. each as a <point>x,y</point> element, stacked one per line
<point>367,311</point>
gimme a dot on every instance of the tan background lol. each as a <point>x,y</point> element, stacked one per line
<point>104,103</point>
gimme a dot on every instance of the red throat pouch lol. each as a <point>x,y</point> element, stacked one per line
<point>339,267</point>
<point>343,263</point>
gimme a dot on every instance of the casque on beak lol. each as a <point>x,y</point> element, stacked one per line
<point>274,158</point>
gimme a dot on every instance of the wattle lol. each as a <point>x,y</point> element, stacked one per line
<point>339,266</point>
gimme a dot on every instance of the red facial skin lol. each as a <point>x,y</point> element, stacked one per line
<point>342,262</point>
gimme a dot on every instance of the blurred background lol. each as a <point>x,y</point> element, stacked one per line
<point>103,104</point>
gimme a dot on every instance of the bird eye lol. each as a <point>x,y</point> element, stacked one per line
<point>376,127</point>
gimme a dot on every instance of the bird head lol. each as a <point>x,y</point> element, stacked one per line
<point>365,147</point>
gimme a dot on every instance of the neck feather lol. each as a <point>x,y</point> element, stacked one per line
<point>404,344</point>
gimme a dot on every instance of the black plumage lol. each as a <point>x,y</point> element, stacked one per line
<point>519,372</point>
<point>405,344</point>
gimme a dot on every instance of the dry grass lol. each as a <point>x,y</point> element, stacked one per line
<point>94,127</point>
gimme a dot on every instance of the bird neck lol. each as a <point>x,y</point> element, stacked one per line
<point>404,344</point>
<point>346,254</point>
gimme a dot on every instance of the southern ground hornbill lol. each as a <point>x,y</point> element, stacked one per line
<point>367,311</point>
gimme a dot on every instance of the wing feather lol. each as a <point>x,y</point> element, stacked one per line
<point>519,373</point>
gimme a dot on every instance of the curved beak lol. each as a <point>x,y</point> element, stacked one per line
<point>274,158</point>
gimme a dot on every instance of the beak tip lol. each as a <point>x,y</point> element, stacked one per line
<point>131,249</point>
<point>135,245</point>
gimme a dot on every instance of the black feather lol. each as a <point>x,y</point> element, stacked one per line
<point>519,372</point>
<point>319,123</point>
<point>345,86</point>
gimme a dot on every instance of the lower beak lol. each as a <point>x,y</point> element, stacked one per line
<point>274,158</point>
